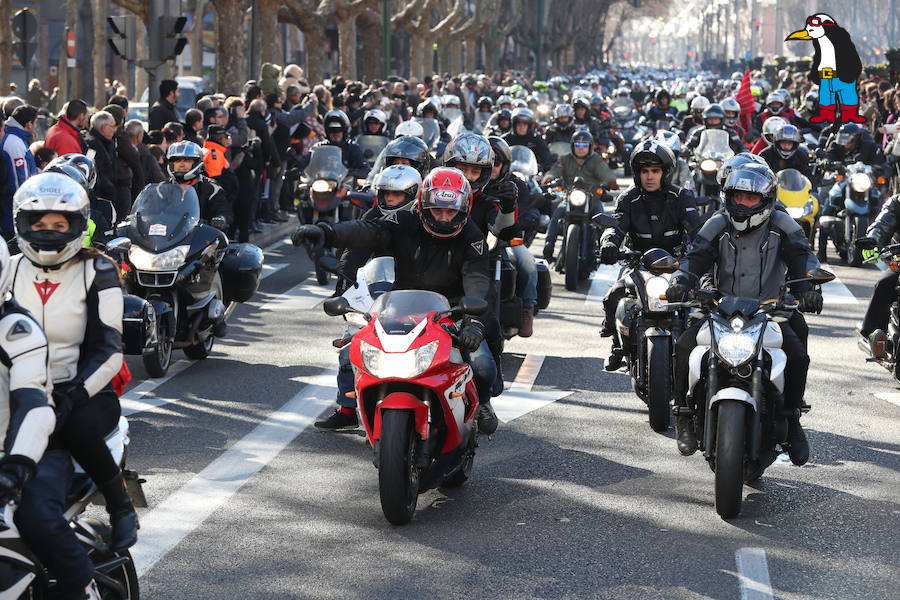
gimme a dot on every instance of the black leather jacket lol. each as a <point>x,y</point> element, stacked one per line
<point>657,220</point>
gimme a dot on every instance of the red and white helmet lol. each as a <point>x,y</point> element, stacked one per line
<point>445,187</point>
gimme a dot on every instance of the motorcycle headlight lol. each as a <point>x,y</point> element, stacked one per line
<point>796,212</point>
<point>577,198</point>
<point>322,185</point>
<point>860,182</point>
<point>170,260</point>
<point>655,287</point>
<point>402,365</point>
<point>736,345</point>
<point>709,166</point>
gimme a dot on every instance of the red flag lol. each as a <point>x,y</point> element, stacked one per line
<point>745,99</point>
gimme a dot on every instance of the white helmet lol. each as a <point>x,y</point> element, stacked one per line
<point>5,272</point>
<point>397,178</point>
<point>699,103</point>
<point>50,193</point>
<point>410,128</point>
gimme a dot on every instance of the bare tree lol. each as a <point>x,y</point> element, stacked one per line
<point>196,37</point>
<point>99,10</point>
<point>344,13</point>
<point>302,14</point>
<point>229,44</point>
<point>269,35</point>
<point>5,44</point>
<point>369,24</point>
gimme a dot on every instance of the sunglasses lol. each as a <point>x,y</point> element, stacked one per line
<point>582,144</point>
<point>817,22</point>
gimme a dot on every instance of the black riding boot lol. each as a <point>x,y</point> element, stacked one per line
<point>122,516</point>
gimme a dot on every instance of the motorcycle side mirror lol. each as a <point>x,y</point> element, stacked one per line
<point>820,275</point>
<point>666,264</point>
<point>606,221</point>
<point>335,307</point>
<point>329,263</point>
<point>120,244</point>
<point>472,307</point>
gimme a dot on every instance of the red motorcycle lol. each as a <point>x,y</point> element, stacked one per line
<point>415,392</point>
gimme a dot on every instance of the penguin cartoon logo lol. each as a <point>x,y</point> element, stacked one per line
<point>835,67</point>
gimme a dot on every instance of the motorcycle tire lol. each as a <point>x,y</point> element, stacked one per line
<point>659,383</point>
<point>124,575</point>
<point>462,474</point>
<point>200,350</point>
<point>398,477</point>
<point>158,361</point>
<point>573,239</point>
<point>730,434</point>
<point>861,224</point>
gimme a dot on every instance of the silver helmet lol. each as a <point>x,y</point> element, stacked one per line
<point>185,151</point>
<point>397,178</point>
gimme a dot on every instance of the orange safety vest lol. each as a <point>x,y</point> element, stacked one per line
<point>214,159</point>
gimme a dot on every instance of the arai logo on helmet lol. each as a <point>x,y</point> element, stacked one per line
<point>445,196</point>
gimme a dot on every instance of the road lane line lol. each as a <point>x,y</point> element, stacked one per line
<point>519,399</point>
<point>303,296</point>
<point>835,292</point>
<point>601,280</point>
<point>753,574</point>
<point>275,245</point>
<point>136,399</point>
<point>892,397</point>
<point>271,269</point>
<point>528,372</point>
<point>181,513</point>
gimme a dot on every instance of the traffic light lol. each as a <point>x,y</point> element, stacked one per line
<point>171,43</point>
<point>117,40</point>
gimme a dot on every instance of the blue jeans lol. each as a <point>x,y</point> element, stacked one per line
<point>484,371</point>
<point>526,274</point>
<point>560,213</point>
<point>44,528</point>
<point>834,91</point>
<point>345,379</point>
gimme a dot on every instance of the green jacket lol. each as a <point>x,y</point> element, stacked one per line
<point>594,170</point>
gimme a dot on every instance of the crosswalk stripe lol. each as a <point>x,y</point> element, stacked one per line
<point>835,292</point>
<point>271,269</point>
<point>303,296</point>
<point>892,397</point>
<point>753,572</point>
<point>138,398</point>
<point>173,519</point>
<point>602,279</point>
<point>519,399</point>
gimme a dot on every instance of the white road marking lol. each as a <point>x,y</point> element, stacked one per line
<point>519,400</point>
<point>138,399</point>
<point>303,296</point>
<point>163,528</point>
<point>753,574</point>
<point>835,292</point>
<point>892,397</point>
<point>276,245</point>
<point>601,280</point>
<point>271,269</point>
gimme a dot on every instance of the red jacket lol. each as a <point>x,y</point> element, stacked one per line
<point>64,138</point>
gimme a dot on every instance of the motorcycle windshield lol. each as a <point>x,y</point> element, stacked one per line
<point>371,145</point>
<point>163,216</point>
<point>451,114</point>
<point>560,149</point>
<point>714,144</point>
<point>792,180</point>
<point>326,162</point>
<point>731,306</point>
<point>379,270</point>
<point>523,161</point>
<point>432,132</point>
<point>400,311</point>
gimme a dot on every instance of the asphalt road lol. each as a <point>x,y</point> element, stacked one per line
<point>576,499</point>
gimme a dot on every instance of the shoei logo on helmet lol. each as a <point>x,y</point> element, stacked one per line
<point>744,184</point>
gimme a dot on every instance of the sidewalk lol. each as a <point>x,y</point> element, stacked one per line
<point>272,233</point>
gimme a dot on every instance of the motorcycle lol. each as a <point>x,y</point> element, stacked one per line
<point>794,193</point>
<point>736,381</point>
<point>709,155</point>
<point>371,145</point>
<point>21,573</point>
<point>432,137</point>
<point>415,392</point>
<point>853,183</point>
<point>648,327</point>
<point>181,280</point>
<point>579,246</point>
<point>560,149</point>
<point>885,349</point>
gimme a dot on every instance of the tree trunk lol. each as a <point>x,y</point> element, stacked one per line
<point>5,45</point>
<point>314,42</point>
<point>229,46</point>
<point>269,35</point>
<point>347,47</point>
<point>143,52</point>
<point>469,46</point>
<point>64,92</point>
<point>99,7</point>
<point>196,39</point>
<point>370,33</point>
<point>417,53</point>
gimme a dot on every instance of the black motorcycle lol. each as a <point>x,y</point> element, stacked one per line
<point>884,346</point>
<point>736,384</point>
<point>181,276</point>
<point>579,247</point>
<point>508,305</point>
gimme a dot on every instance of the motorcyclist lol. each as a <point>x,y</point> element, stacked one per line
<point>337,133</point>
<point>81,169</point>
<point>882,232</point>
<point>581,162</point>
<point>662,107</point>
<point>778,104</point>
<point>695,118</point>
<point>713,118</point>
<point>484,110</point>
<point>652,214</point>
<point>435,248</point>
<point>732,110</point>
<point>682,177</point>
<point>375,123</point>
<point>563,125</point>
<point>754,249</point>
<point>184,163</point>
<point>854,143</point>
<point>405,150</point>
<point>786,152</point>
<point>76,296</point>
<point>767,137</point>
<point>522,134</point>
<point>584,119</point>
<point>500,124</point>
<point>396,189</point>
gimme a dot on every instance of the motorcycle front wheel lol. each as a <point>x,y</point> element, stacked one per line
<point>730,434</point>
<point>398,477</point>
<point>573,245</point>
<point>157,362</point>
<point>200,350</point>
<point>861,223</point>
<point>659,382</point>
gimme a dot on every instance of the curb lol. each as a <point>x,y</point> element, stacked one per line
<point>272,233</point>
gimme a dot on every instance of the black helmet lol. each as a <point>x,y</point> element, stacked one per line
<point>713,111</point>
<point>582,102</point>
<point>336,120</point>
<point>580,137</point>
<point>426,106</point>
<point>651,153</point>
<point>523,115</point>
<point>504,115</point>
<point>753,179</point>
<point>485,101</point>
<point>502,154</point>
<point>788,133</point>
<point>411,148</point>
<point>660,94</point>
<point>849,133</point>
<point>597,99</point>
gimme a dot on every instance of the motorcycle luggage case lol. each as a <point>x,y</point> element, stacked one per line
<point>507,280</point>
<point>511,312</point>
<point>544,285</point>
<point>240,270</point>
<point>138,322</point>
